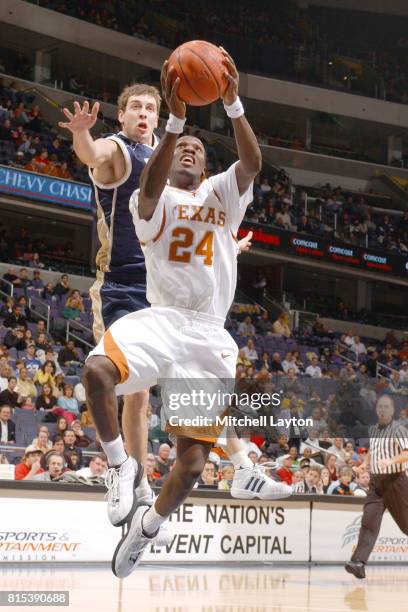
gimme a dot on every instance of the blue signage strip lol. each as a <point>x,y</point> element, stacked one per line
<point>45,188</point>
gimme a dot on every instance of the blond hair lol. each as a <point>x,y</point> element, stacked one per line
<point>139,89</point>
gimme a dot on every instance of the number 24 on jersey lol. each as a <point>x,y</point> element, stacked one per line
<point>182,248</point>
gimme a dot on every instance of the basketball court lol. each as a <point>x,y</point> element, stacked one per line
<point>220,588</point>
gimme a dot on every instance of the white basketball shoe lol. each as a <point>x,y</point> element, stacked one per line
<point>121,483</point>
<point>129,551</point>
<point>251,483</point>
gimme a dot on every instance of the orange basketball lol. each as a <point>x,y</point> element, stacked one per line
<point>199,65</point>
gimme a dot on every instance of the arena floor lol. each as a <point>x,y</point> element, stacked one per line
<point>162,588</point>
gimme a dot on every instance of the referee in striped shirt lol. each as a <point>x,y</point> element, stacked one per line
<point>388,460</point>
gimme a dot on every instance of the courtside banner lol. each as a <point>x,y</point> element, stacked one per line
<point>203,530</point>
<point>45,188</point>
<point>335,529</point>
<point>234,530</point>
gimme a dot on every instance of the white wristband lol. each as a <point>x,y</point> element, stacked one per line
<point>175,125</point>
<point>234,110</point>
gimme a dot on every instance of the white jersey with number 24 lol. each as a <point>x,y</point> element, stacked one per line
<point>190,244</point>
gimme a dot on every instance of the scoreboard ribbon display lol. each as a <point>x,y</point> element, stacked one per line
<point>328,251</point>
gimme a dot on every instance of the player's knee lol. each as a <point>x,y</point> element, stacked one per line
<point>195,469</point>
<point>99,374</point>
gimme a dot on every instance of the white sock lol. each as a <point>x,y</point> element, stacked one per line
<point>144,490</point>
<point>152,521</point>
<point>115,451</point>
<point>240,460</point>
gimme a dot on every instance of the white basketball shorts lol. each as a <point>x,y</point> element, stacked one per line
<point>189,354</point>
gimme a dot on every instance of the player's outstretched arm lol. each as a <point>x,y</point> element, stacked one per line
<point>250,157</point>
<point>93,153</point>
<point>155,174</point>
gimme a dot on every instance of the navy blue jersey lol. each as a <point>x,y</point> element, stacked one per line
<point>119,254</point>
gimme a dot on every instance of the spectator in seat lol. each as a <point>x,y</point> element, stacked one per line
<point>290,363</point>
<point>58,445</point>
<point>276,365</point>
<point>81,439</point>
<point>46,401</point>
<point>362,482</point>
<point>291,382</point>
<point>312,443</point>
<point>9,396</point>
<point>403,353</point>
<point>162,461</point>
<point>61,427</point>
<point>51,356</point>
<point>72,459</point>
<point>304,226</point>
<point>30,464</point>
<point>348,339</point>
<point>278,448</point>
<point>40,163</point>
<point>15,319</point>
<point>97,468</point>
<point>208,476</point>
<point>36,282</point>
<point>69,443</point>
<point>395,384</point>
<point>371,364</point>
<point>68,355</point>
<point>331,464</point>
<point>242,360</point>
<point>62,287</point>
<point>42,441</point>
<point>31,363</point>
<point>7,426</point>
<point>358,347</point>
<point>285,473</point>
<point>46,374</point>
<point>56,465</point>
<point>347,373</point>
<point>246,327</point>
<point>6,131</point>
<point>264,362</point>
<point>311,483</point>
<point>67,405</point>
<point>314,369</point>
<point>250,351</point>
<point>73,308</point>
<point>281,326</point>
<point>41,328</point>
<point>22,282</point>
<point>25,386</point>
<point>345,478</point>
<point>265,325</point>
<point>297,477</point>
<point>325,480</point>
<point>48,292</point>
<point>403,373</point>
<point>337,449</point>
<point>227,476</point>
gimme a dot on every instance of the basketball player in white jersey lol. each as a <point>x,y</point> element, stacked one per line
<point>115,163</point>
<point>187,230</point>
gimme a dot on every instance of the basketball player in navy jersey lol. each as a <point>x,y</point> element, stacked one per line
<point>115,164</point>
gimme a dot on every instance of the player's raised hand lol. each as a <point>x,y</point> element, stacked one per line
<point>82,119</point>
<point>232,76</point>
<point>245,243</point>
<point>170,92</point>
